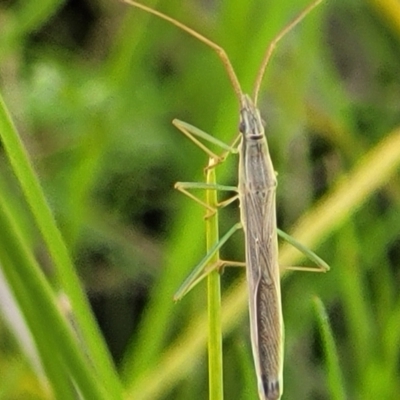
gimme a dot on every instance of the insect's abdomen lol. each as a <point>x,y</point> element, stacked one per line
<point>266,322</point>
<point>270,336</point>
<point>257,185</point>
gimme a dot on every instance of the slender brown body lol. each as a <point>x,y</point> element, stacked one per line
<point>257,186</point>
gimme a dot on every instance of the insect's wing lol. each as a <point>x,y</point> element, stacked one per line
<point>266,322</point>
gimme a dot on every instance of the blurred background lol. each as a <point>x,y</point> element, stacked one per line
<point>93,86</point>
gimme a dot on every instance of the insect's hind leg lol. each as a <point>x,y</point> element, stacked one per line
<point>320,264</point>
<point>200,271</point>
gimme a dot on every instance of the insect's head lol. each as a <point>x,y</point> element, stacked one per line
<point>251,125</point>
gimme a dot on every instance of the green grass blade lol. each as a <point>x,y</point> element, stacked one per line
<point>66,274</point>
<point>38,304</point>
<point>335,379</point>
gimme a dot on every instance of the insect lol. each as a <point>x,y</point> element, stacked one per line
<point>256,191</point>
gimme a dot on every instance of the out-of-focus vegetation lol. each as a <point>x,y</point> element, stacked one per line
<point>92,87</point>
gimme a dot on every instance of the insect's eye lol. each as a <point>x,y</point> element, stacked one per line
<point>242,126</point>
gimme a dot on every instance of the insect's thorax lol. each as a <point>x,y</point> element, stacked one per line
<point>256,169</point>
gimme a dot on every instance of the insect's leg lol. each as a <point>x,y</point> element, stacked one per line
<point>200,271</point>
<point>235,143</point>
<point>184,186</point>
<point>226,263</point>
<point>194,133</point>
<point>226,202</point>
<point>320,264</point>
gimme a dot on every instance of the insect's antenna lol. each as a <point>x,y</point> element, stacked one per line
<point>218,49</point>
<point>274,42</point>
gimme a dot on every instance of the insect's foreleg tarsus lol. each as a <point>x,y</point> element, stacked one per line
<point>320,264</point>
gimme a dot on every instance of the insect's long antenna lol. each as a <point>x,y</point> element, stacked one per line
<point>218,49</point>
<point>274,42</point>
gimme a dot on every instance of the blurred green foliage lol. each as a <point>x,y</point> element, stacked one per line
<point>92,87</point>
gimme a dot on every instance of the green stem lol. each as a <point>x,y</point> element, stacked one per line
<point>214,298</point>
